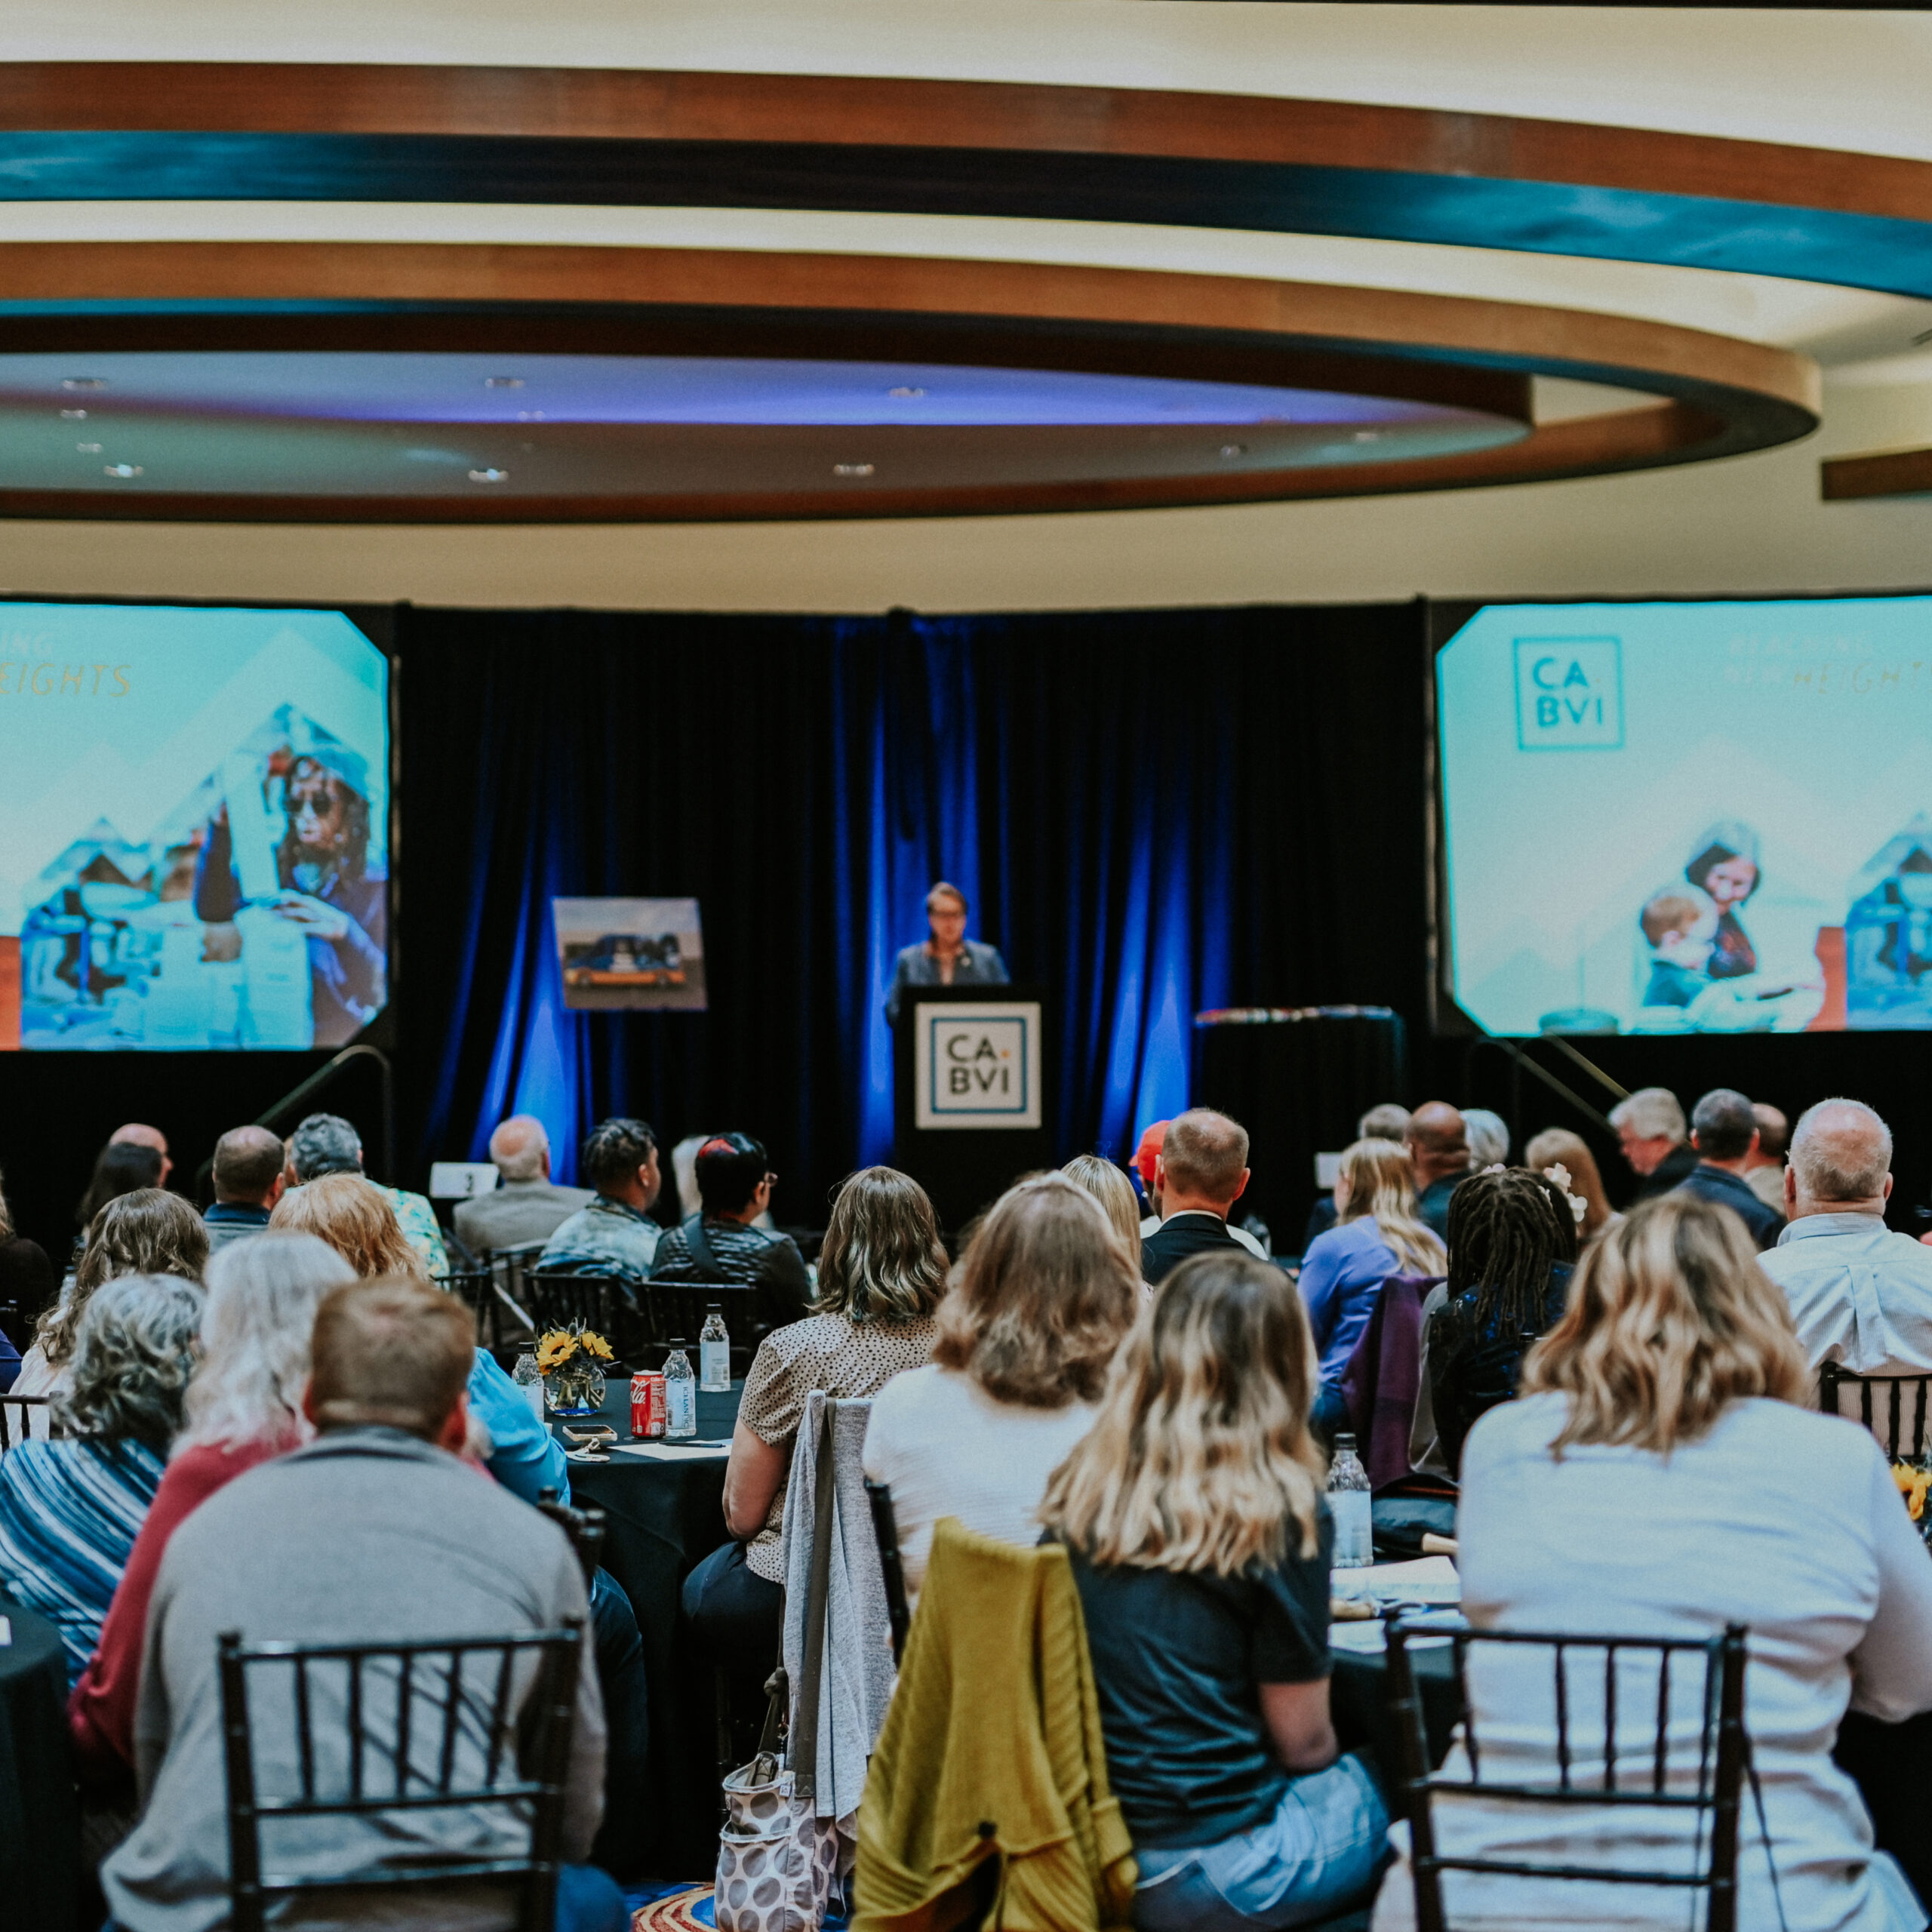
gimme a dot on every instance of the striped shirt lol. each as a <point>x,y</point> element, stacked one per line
<point>69,1512</point>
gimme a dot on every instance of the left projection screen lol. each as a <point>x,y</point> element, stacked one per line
<point>194,828</point>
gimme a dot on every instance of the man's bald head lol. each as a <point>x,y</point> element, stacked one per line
<point>247,1166</point>
<point>135,1134</point>
<point>1840,1160</point>
<point>520,1148</point>
<point>1438,1142</point>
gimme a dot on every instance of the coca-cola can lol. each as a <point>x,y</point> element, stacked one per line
<point>648,1407</point>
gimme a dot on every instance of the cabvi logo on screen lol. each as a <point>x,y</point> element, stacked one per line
<point>1569,693</point>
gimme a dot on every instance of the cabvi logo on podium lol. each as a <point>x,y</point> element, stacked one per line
<point>1569,693</point>
<point>979,1066</point>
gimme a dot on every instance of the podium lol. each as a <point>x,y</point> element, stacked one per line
<point>969,1107</point>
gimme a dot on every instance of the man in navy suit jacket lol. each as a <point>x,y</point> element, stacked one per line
<point>1199,1174</point>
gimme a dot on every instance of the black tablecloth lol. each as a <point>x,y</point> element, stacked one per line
<point>1359,1701</point>
<point>661,1520</point>
<point>40,1834</point>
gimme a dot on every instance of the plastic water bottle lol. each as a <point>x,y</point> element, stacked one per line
<point>527,1378</point>
<point>1348,1503</point>
<point>714,1353</point>
<point>681,1393</point>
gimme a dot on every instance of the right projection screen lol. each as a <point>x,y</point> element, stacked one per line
<point>1696,817</point>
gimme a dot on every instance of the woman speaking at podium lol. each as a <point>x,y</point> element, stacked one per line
<point>948,958</point>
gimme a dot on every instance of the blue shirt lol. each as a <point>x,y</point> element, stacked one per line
<point>606,1238</point>
<point>1340,1275</point>
<point>527,1457</point>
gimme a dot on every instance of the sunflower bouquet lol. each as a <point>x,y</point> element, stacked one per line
<point>570,1362</point>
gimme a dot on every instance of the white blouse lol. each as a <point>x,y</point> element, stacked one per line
<point>1781,1519</point>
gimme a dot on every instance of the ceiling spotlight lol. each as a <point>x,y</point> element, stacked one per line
<point>120,469</point>
<point>1231,450</point>
<point>73,416</point>
<point>489,476</point>
<point>905,392</point>
<point>88,449</point>
<point>503,381</point>
<point>852,469</point>
<point>83,382</point>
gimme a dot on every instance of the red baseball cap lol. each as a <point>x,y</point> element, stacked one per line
<point>1151,1141</point>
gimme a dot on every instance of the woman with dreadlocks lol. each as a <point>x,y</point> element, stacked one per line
<point>1512,1242</point>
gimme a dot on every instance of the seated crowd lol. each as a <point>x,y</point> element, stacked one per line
<point>275,1417</point>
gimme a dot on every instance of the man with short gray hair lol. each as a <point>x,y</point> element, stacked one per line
<point>1650,1129</point>
<point>1860,1295</point>
<point>527,1206</point>
<point>327,1144</point>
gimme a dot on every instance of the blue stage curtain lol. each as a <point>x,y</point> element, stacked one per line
<point>1150,813</point>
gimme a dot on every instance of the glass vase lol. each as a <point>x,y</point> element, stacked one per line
<point>576,1388</point>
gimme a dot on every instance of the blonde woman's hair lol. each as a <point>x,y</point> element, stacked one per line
<point>881,1260</point>
<point>1670,1319</point>
<point>1040,1301</point>
<point>348,1213</point>
<point>1200,1459</point>
<point>1557,1147</point>
<point>1109,1185</point>
<point>1382,1184</point>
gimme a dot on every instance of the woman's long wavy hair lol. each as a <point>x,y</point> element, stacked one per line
<point>345,1211</point>
<point>1383,1183</point>
<point>1200,1459</point>
<point>149,1232</point>
<point>1109,1185</point>
<point>263,1293</point>
<point>882,1260</point>
<point>1670,1319</point>
<point>133,1355</point>
<point>1038,1305</point>
<point>1557,1147</point>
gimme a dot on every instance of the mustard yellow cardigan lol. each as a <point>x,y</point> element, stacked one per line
<point>987,1800</point>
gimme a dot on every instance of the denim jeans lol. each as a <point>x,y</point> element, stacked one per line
<point>1316,1857</point>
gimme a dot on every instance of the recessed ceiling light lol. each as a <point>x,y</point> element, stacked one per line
<point>83,382</point>
<point>503,381</point>
<point>1233,449</point>
<point>489,476</point>
<point>905,392</point>
<point>73,416</point>
<point>852,469</point>
<point>88,449</point>
<point>120,469</point>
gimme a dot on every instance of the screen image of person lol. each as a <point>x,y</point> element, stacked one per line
<point>331,890</point>
<point>1723,867</point>
<point>948,958</point>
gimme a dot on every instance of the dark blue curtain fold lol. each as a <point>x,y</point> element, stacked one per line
<point>1151,813</point>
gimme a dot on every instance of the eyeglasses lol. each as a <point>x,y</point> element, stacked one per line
<point>771,1180</point>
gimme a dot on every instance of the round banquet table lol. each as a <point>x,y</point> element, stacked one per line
<point>661,1519</point>
<point>40,1828</point>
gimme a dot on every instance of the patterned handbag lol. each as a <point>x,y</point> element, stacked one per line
<point>776,1856</point>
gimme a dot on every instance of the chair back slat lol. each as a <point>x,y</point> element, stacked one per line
<point>524,1770</point>
<point>678,1308</point>
<point>1832,1379</point>
<point>885,1529</point>
<point>1713,1800</point>
<point>18,1414</point>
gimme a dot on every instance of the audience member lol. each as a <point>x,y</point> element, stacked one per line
<point>1512,1242</point>
<point>248,1181</point>
<point>1438,1148</point>
<point>70,1510</point>
<point>1723,1132</point>
<point>526,1206</point>
<point>1111,1188</point>
<point>135,1134</point>
<point>948,958</point>
<point>1488,1135</point>
<point>734,1183</point>
<point>1193,1514</point>
<point>146,1232</point>
<point>1385,1121</point>
<point>1146,1165</point>
<point>243,1406</point>
<point>1379,1234</point>
<point>1658,1478</point>
<point>326,1144</point>
<point>1557,1147</point>
<point>371,1533</point>
<point>1651,1132</point>
<point>1860,1296</point>
<point>26,1284</point>
<point>614,1235</point>
<point>1036,1311</point>
<point>1199,1174</point>
<point>123,1167</point>
<point>1764,1171</point>
<point>881,1274</point>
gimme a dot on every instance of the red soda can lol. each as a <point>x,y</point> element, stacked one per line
<point>648,1406</point>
